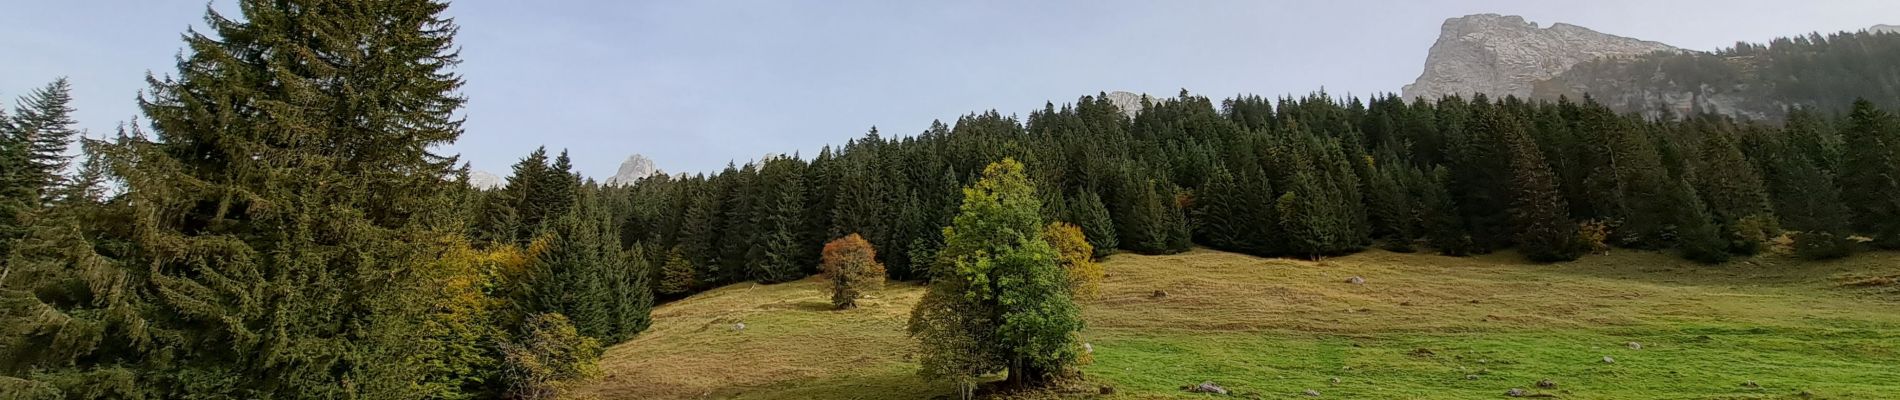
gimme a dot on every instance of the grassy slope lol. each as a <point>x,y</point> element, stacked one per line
<point>1415,330</point>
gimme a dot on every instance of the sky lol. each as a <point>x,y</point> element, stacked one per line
<point>694,85</point>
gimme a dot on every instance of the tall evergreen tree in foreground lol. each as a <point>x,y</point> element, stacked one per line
<point>32,153</point>
<point>43,128</point>
<point>283,209</point>
<point>1000,300</point>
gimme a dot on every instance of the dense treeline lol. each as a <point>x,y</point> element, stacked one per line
<point>1754,79</point>
<point>1298,177</point>
<point>279,226</point>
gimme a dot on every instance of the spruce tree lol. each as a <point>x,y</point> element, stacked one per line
<point>15,191</point>
<point>1870,177</point>
<point>781,245</point>
<point>582,273</point>
<point>43,126</point>
<point>1444,228</point>
<point>1538,211</point>
<point>286,199</point>
<point>1737,199</point>
<point>1808,202</point>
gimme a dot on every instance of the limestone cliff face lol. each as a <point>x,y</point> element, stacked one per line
<point>1129,102</point>
<point>485,181</point>
<point>635,167</point>
<point>1502,55</point>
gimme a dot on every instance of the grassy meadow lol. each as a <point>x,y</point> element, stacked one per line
<point>1420,327</point>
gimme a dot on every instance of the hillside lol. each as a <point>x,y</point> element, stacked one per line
<point>1421,327</point>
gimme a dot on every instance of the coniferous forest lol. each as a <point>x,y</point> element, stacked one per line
<point>280,224</point>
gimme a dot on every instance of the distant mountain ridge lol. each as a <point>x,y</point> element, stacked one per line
<point>1500,55</point>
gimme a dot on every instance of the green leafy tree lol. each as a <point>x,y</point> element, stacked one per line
<point>1000,300</point>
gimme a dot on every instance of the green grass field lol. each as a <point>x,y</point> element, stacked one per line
<point>1421,327</point>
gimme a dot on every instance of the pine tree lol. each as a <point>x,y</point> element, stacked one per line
<point>1870,179</point>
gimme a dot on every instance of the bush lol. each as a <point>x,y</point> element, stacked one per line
<point>548,354</point>
<point>1074,254</point>
<point>1820,245</point>
<point>1594,234</point>
<point>850,265</point>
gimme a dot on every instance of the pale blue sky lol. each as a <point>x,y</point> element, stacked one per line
<point>694,84</point>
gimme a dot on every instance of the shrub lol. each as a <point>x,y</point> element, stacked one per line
<point>548,353</point>
<point>850,265</point>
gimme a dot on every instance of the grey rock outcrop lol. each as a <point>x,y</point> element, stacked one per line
<point>1129,102</point>
<point>484,180</point>
<point>1884,28</point>
<point>635,167</point>
<point>1502,55</point>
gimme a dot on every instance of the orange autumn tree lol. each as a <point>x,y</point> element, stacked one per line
<point>850,265</point>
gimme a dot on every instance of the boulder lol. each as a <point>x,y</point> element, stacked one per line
<point>1207,387</point>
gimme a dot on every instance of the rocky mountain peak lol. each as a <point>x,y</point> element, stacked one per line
<point>484,180</point>
<point>1129,102</point>
<point>1502,55</point>
<point>635,167</point>
<point>1884,28</point>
